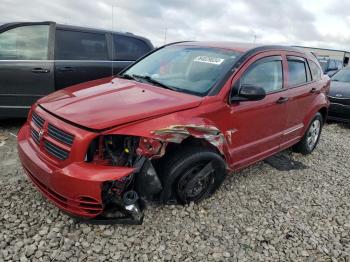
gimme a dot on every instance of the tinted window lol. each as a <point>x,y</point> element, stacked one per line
<point>267,75</point>
<point>315,70</point>
<point>297,72</point>
<point>25,43</point>
<point>129,48</point>
<point>73,45</point>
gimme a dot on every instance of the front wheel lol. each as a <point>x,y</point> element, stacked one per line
<point>191,174</point>
<point>311,137</point>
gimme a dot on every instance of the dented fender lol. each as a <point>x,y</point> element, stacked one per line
<point>175,128</point>
<point>178,133</point>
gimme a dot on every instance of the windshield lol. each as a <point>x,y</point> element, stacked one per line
<point>342,76</point>
<point>192,70</point>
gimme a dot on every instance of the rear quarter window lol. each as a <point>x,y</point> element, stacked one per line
<point>316,71</point>
<point>75,45</point>
<point>129,48</point>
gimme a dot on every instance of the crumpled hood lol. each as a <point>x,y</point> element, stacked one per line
<point>103,103</point>
<point>340,89</point>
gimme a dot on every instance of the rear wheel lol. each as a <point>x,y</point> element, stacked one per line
<point>191,174</point>
<point>311,137</point>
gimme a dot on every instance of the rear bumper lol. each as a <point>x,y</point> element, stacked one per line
<point>339,112</point>
<point>75,188</point>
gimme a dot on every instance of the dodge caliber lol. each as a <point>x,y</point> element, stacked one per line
<point>171,126</point>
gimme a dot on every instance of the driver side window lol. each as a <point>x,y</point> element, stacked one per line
<point>265,73</point>
<point>25,43</point>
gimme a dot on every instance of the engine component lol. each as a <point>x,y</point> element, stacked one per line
<point>147,182</point>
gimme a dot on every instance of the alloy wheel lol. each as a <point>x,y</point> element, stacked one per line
<point>313,133</point>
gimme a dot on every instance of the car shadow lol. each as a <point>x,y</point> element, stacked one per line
<point>11,125</point>
<point>283,161</point>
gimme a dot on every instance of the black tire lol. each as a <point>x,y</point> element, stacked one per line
<point>303,146</point>
<point>183,169</point>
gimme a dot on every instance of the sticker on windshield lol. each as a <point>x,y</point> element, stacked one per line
<point>209,60</point>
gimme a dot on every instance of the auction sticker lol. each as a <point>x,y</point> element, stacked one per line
<point>209,60</point>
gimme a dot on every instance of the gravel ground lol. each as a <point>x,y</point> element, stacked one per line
<point>258,214</point>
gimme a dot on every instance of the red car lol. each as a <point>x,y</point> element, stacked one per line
<point>170,126</point>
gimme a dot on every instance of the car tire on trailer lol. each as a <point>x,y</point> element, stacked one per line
<point>190,174</point>
<point>311,137</point>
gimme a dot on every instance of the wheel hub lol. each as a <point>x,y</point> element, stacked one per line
<point>194,184</point>
<point>313,133</point>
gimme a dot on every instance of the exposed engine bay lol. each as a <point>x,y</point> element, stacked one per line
<point>124,199</point>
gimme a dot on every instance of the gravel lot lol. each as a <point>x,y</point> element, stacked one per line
<point>258,214</point>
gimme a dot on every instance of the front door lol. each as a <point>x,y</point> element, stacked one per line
<point>258,125</point>
<point>26,66</point>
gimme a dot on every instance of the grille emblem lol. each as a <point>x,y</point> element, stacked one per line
<point>338,95</point>
<point>41,134</point>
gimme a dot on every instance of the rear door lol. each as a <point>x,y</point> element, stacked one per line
<point>80,56</point>
<point>302,90</point>
<point>258,125</point>
<point>26,66</point>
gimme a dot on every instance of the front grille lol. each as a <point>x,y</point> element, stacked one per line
<point>51,134</point>
<point>55,151</point>
<point>60,135</point>
<point>38,121</point>
<point>35,135</point>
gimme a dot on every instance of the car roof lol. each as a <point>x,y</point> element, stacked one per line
<point>82,28</point>
<point>76,28</point>
<point>242,47</point>
<point>94,30</point>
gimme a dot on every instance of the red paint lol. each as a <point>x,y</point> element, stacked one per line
<point>115,102</point>
<point>250,131</point>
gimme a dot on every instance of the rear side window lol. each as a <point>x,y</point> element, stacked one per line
<point>25,43</point>
<point>267,75</point>
<point>129,48</point>
<point>74,45</point>
<point>315,71</point>
<point>297,71</point>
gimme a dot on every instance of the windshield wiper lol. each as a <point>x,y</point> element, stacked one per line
<point>127,76</point>
<point>155,82</point>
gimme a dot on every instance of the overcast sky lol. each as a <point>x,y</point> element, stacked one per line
<point>316,23</point>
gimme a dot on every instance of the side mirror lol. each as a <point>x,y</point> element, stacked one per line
<point>249,93</point>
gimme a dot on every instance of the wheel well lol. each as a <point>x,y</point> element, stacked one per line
<point>173,148</point>
<point>324,112</point>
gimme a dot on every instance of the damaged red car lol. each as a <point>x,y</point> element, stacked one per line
<point>171,126</point>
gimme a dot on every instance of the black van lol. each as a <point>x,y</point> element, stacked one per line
<point>39,58</point>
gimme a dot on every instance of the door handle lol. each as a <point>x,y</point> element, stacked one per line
<point>66,69</point>
<point>40,70</point>
<point>313,90</point>
<point>282,100</point>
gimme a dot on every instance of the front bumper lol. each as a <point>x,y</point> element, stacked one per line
<point>339,112</point>
<point>75,188</point>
